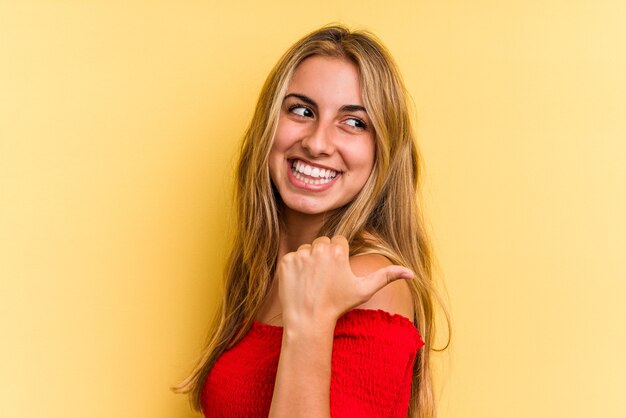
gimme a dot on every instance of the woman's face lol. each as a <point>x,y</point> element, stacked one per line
<point>323,151</point>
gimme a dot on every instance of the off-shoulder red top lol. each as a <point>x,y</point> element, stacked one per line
<point>371,369</point>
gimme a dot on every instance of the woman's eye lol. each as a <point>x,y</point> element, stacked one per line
<point>356,123</point>
<point>301,111</point>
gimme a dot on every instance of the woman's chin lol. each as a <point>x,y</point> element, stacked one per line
<point>306,207</point>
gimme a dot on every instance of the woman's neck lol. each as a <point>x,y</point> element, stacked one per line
<point>297,229</point>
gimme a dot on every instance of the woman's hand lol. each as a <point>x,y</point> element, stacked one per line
<point>316,284</point>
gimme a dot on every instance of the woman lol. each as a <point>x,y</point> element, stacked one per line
<point>328,304</point>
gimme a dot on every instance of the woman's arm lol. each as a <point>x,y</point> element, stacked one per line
<point>318,284</point>
<point>302,387</point>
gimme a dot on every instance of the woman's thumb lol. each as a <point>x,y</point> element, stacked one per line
<point>382,277</point>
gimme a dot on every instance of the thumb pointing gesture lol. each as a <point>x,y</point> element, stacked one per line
<point>318,280</point>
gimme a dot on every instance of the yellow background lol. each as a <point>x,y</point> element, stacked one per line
<point>119,124</point>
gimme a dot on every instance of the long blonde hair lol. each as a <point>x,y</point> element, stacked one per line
<point>383,218</point>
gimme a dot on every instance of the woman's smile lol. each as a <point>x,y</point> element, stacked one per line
<point>310,176</point>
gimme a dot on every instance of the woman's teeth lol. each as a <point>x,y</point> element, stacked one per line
<point>311,175</point>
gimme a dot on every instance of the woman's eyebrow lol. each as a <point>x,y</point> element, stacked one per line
<point>309,101</point>
<point>352,108</point>
<point>302,97</point>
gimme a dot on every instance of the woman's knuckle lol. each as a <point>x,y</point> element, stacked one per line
<point>320,248</point>
<point>320,240</point>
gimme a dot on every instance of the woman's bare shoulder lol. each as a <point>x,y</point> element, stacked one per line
<point>394,298</point>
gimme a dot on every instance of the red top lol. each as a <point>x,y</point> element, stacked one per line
<point>371,369</point>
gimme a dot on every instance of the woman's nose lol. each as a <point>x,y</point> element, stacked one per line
<point>320,141</point>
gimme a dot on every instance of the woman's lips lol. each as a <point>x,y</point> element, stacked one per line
<point>312,165</point>
<point>306,182</point>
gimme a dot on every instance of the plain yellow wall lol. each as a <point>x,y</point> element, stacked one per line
<point>119,124</point>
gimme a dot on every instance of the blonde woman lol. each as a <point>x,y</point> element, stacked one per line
<point>328,304</point>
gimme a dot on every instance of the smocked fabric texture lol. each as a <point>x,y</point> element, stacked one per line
<point>371,369</point>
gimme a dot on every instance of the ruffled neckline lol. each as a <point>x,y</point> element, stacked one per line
<point>351,318</point>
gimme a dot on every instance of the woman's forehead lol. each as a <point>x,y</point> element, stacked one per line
<point>333,81</point>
